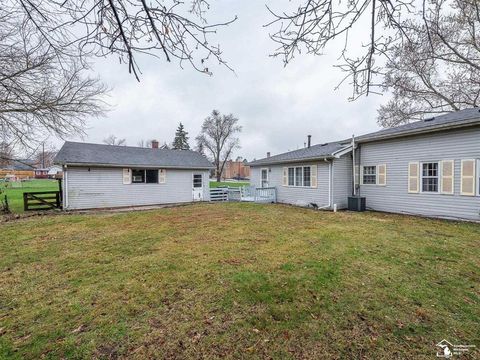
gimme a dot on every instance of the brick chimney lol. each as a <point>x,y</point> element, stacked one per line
<point>309,142</point>
<point>268,154</point>
<point>154,144</point>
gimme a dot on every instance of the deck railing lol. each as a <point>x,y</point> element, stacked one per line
<point>266,194</point>
<point>247,193</point>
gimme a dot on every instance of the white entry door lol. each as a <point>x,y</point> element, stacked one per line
<point>264,178</point>
<point>197,187</point>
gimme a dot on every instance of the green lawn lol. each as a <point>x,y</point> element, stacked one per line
<point>15,194</point>
<point>216,184</point>
<point>237,280</point>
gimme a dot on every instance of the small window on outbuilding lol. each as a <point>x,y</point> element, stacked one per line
<point>151,176</point>
<point>138,176</point>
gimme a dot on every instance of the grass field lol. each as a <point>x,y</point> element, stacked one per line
<point>237,280</point>
<point>216,184</point>
<point>15,194</point>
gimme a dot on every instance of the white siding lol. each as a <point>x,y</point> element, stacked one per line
<point>397,153</point>
<point>342,185</point>
<point>295,195</point>
<point>103,187</point>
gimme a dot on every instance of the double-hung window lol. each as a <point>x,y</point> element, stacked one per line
<point>306,176</point>
<point>300,176</point>
<point>430,175</point>
<point>369,175</point>
<point>291,176</point>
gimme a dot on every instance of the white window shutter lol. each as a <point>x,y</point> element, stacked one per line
<point>356,175</point>
<point>413,177</point>
<point>447,176</point>
<point>467,186</point>
<point>127,176</point>
<point>313,176</point>
<point>382,174</point>
<point>361,175</point>
<point>285,176</point>
<point>162,176</point>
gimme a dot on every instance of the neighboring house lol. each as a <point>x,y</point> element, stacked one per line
<point>236,170</point>
<point>41,173</point>
<point>104,176</point>
<point>18,169</point>
<point>55,172</point>
<point>429,168</point>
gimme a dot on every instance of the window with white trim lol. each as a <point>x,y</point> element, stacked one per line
<point>291,176</point>
<point>430,175</point>
<point>197,180</point>
<point>264,178</point>
<point>144,176</point>
<point>369,175</point>
<point>300,176</point>
<point>306,176</point>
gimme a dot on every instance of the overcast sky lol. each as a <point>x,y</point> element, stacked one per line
<point>277,106</point>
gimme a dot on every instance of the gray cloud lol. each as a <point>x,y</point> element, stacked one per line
<point>277,106</point>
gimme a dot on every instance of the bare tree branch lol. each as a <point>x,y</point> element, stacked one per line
<point>218,137</point>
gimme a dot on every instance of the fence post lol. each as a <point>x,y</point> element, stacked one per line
<point>25,201</point>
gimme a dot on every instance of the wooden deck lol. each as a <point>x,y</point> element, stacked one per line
<point>247,193</point>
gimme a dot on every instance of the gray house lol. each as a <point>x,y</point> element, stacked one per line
<point>104,176</point>
<point>429,168</point>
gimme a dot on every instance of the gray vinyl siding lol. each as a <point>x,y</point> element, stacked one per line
<point>301,196</point>
<point>397,153</point>
<point>103,187</point>
<point>342,185</point>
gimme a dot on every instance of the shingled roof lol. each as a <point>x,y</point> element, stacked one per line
<point>77,153</point>
<point>315,152</point>
<point>460,118</point>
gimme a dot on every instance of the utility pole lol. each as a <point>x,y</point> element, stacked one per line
<point>43,155</point>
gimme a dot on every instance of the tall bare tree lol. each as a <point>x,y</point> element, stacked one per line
<point>218,137</point>
<point>42,91</point>
<point>438,70</point>
<point>113,140</point>
<point>421,50</point>
<point>171,29</point>
<point>144,143</point>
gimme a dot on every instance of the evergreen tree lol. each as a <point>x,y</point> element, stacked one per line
<point>180,142</point>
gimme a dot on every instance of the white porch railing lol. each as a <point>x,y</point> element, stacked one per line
<point>246,193</point>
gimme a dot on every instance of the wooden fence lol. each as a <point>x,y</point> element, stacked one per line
<point>19,174</point>
<point>42,200</point>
